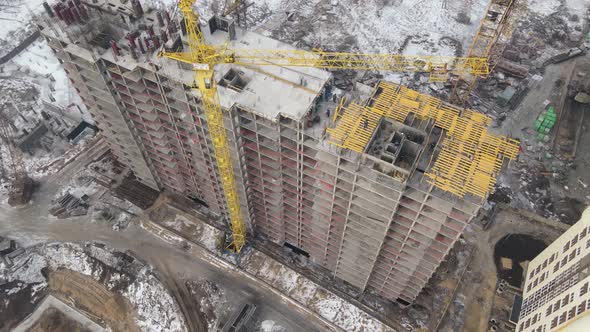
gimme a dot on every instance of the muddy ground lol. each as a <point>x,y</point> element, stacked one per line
<point>472,307</point>
<point>54,320</point>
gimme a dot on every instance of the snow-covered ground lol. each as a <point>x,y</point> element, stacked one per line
<point>40,60</point>
<point>418,27</point>
<point>15,19</point>
<point>205,234</point>
<point>331,307</point>
<point>156,309</point>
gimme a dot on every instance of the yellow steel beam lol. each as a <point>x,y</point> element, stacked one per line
<point>440,66</point>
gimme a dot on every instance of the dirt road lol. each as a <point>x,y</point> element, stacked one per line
<point>33,224</point>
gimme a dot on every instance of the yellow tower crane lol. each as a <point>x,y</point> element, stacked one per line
<point>487,44</point>
<point>203,57</point>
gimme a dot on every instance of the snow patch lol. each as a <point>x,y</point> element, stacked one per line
<point>270,326</point>
<point>544,7</point>
<point>69,256</point>
<point>153,304</point>
<point>27,268</point>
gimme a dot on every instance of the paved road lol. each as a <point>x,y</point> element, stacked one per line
<point>32,224</point>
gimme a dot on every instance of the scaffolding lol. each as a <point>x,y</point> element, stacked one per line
<point>470,157</point>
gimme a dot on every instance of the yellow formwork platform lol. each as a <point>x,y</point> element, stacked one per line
<point>470,157</point>
<point>355,128</point>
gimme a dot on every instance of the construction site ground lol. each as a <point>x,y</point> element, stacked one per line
<point>185,224</point>
<point>33,225</point>
<point>549,178</point>
<point>471,308</point>
<point>540,194</point>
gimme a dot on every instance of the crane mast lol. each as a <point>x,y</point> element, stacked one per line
<point>206,85</point>
<point>494,25</point>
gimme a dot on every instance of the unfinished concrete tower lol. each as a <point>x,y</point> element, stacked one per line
<point>377,194</point>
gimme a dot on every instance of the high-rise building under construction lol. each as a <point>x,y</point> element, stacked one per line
<point>377,191</point>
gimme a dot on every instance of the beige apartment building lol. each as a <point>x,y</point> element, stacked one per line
<point>556,296</point>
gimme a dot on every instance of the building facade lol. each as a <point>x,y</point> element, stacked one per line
<point>377,193</point>
<point>556,296</point>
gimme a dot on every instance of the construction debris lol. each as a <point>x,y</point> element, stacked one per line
<point>69,206</point>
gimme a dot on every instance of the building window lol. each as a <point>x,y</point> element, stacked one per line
<point>582,233</point>
<point>554,322</point>
<point>575,239</point>
<point>552,258</point>
<point>564,261</point>
<point>584,289</point>
<point>548,312</point>
<point>572,255</point>
<point>571,313</point>
<point>582,307</point>
<point>557,305</point>
<point>545,264</point>
<point>556,267</point>
<point>565,300</point>
<point>566,247</point>
<point>587,244</point>
<point>562,317</point>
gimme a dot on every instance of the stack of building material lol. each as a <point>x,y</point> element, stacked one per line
<point>545,122</point>
<point>69,205</point>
